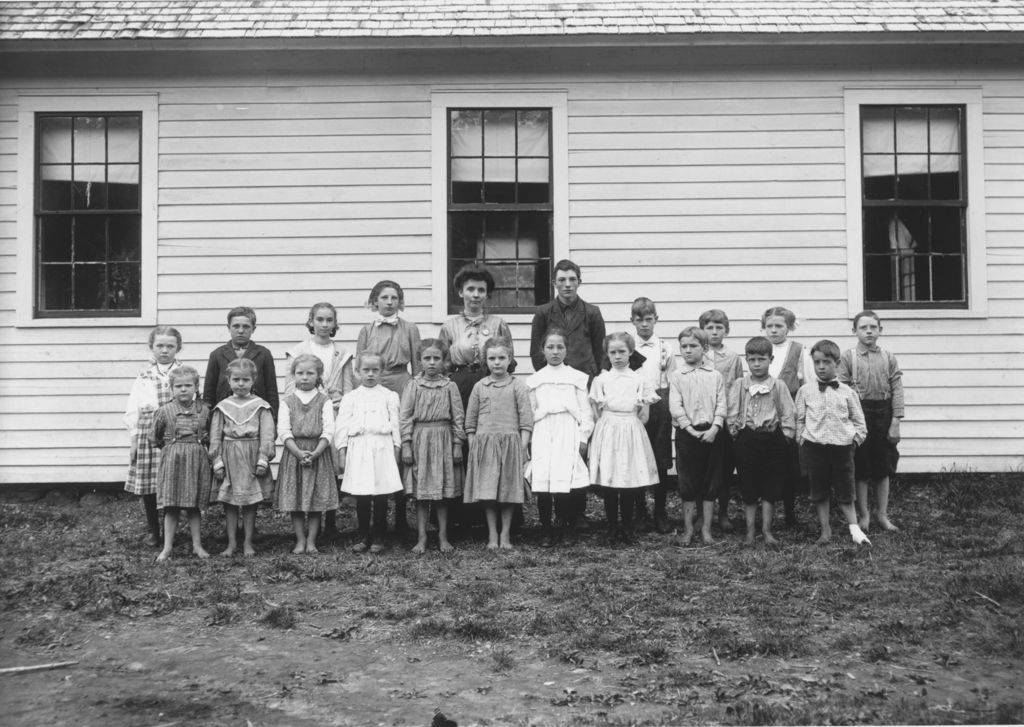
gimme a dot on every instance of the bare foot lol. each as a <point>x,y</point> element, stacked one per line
<point>886,524</point>
<point>311,549</point>
<point>492,545</point>
<point>248,551</point>
<point>446,547</point>
<point>377,548</point>
<point>686,537</point>
<point>228,551</point>
<point>864,522</point>
<point>825,537</point>
<point>749,540</point>
<point>420,548</point>
<point>299,548</point>
<point>165,554</point>
<point>360,547</point>
<point>200,552</point>
<point>705,535</point>
<point>506,545</point>
<point>769,539</point>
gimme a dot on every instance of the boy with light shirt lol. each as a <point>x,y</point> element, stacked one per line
<point>698,408</point>
<point>829,426</point>
<point>658,364</point>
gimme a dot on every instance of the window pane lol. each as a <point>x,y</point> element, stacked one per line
<point>534,235</point>
<point>90,286</point>
<point>466,231</point>
<point>123,189</point>
<point>878,278</point>
<point>123,134</point>
<point>533,133</point>
<point>125,237</point>
<point>90,234</point>
<point>499,180</point>
<point>945,176</point>
<point>947,228</point>
<point>467,181</point>
<point>55,140</point>
<point>467,133</point>
<point>500,133</point>
<point>912,176</point>
<point>123,291</point>
<point>533,181</point>
<point>877,130</point>
<point>55,239</point>
<point>90,188</point>
<point>499,237</point>
<point>55,287</point>
<point>911,130</point>
<point>90,140</point>
<point>944,129</point>
<point>948,278</point>
<point>55,187</point>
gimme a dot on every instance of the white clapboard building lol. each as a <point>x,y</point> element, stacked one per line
<point>161,162</point>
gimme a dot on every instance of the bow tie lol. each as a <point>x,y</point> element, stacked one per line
<point>381,321</point>
<point>822,385</point>
<point>646,344</point>
<point>756,389</point>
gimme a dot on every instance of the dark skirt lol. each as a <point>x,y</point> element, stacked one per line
<point>877,457</point>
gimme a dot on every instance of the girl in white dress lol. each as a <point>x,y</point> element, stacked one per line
<point>621,458</point>
<point>563,422</point>
<point>369,442</point>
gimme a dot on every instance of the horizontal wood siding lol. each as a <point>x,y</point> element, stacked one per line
<point>721,189</point>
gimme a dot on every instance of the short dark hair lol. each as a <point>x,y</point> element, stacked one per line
<point>473,271</point>
<point>183,372</point>
<point>643,307</point>
<point>826,348</point>
<point>242,310</point>
<point>866,314</point>
<point>715,315</point>
<point>758,346</point>
<point>566,265</point>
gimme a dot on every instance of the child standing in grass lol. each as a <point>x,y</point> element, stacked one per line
<point>715,323</point>
<point>698,408</point>
<point>562,423</point>
<point>762,420</point>
<point>499,422</point>
<point>181,429</point>
<point>306,484</point>
<point>792,365</point>
<point>622,459</point>
<point>242,437</point>
<point>151,390</point>
<point>658,364</point>
<point>369,441</point>
<point>829,426</point>
<point>396,341</point>
<point>876,377</point>
<point>432,436</point>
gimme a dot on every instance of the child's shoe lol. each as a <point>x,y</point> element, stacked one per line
<point>547,537</point>
<point>661,524</point>
<point>627,535</point>
<point>377,548</point>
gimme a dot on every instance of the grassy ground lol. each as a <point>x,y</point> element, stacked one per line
<point>925,627</point>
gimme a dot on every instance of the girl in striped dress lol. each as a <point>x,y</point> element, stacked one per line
<point>305,425</point>
<point>151,390</point>
<point>181,429</point>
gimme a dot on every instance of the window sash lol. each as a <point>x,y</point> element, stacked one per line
<point>902,259</point>
<point>112,266</point>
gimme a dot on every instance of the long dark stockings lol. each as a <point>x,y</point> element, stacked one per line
<point>378,506</point>
<point>618,503</point>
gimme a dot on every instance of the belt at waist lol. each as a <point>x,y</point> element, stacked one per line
<point>240,439</point>
<point>434,423</point>
<point>613,413</point>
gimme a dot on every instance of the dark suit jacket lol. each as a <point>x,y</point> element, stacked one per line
<point>584,328</point>
<point>215,385</point>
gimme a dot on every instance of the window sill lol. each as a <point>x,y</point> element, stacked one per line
<point>905,314</point>
<point>112,322</point>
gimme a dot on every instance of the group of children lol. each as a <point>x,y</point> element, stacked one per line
<point>391,421</point>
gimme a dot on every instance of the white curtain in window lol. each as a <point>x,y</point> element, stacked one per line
<point>90,154</point>
<point>912,145</point>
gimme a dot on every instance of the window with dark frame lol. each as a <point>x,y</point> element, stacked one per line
<point>500,202</point>
<point>914,206</point>
<point>88,215</point>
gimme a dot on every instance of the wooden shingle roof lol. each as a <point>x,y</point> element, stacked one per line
<point>254,19</point>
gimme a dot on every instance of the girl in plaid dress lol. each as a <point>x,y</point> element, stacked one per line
<point>151,390</point>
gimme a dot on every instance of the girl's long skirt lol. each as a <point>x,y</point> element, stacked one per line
<point>494,472</point>
<point>620,452</point>
<point>556,465</point>
<point>185,478</point>
<point>306,489</point>
<point>241,486</point>
<point>434,474</point>
<point>145,458</point>
<point>370,466</point>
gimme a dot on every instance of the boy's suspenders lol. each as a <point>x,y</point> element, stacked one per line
<point>853,371</point>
